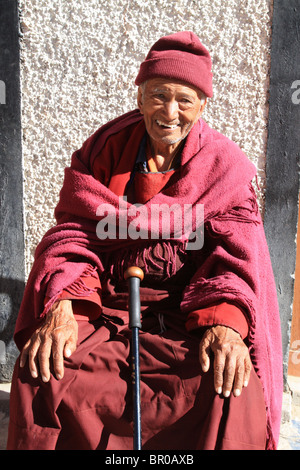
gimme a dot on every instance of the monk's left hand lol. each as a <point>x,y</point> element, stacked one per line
<point>232,363</point>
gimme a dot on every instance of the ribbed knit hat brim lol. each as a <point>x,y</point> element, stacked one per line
<point>180,56</point>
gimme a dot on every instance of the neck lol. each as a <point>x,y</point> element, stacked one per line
<point>163,156</point>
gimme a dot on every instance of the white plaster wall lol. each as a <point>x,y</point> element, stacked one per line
<point>79,62</point>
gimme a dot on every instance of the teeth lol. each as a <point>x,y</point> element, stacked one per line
<point>163,124</point>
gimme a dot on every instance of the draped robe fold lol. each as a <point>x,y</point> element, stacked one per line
<point>233,266</point>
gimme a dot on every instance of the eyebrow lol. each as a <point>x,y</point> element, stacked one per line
<point>165,90</point>
<point>159,90</point>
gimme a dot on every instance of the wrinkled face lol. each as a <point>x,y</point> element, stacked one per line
<point>170,109</point>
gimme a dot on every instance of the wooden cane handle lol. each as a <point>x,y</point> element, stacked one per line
<point>134,271</point>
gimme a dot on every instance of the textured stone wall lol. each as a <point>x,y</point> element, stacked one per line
<point>79,62</point>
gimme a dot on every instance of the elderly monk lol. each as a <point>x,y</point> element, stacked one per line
<point>210,344</point>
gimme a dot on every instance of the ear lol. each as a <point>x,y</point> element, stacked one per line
<point>202,107</point>
<point>140,100</point>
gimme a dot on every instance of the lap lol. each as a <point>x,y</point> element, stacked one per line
<point>91,407</point>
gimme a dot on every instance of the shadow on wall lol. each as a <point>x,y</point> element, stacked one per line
<point>11,293</point>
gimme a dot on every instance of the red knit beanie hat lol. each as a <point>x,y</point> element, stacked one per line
<point>180,56</point>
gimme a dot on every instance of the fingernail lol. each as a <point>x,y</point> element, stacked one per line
<point>226,393</point>
<point>237,392</point>
<point>245,383</point>
<point>58,376</point>
<point>68,352</point>
<point>44,378</point>
<point>219,390</point>
<point>34,374</point>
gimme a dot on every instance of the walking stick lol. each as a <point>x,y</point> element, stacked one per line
<point>134,275</point>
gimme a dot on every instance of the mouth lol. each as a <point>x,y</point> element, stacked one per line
<point>164,125</point>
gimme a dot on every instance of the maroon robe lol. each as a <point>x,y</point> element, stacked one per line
<point>91,407</point>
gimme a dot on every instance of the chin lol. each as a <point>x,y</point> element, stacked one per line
<point>168,140</point>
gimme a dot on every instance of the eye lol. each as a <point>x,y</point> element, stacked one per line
<point>159,96</point>
<point>186,101</point>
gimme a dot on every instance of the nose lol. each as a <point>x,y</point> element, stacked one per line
<point>171,110</point>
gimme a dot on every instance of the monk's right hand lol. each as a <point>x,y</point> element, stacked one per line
<point>56,338</point>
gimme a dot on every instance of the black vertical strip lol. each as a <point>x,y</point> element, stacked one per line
<point>282,161</point>
<point>11,192</point>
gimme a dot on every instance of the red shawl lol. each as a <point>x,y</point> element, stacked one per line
<point>213,172</point>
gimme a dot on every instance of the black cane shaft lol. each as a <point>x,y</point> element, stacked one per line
<point>137,437</point>
<point>134,275</point>
<point>134,303</point>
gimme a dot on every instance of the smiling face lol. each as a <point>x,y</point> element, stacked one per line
<point>170,109</point>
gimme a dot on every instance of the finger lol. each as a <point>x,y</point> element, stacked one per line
<point>24,353</point>
<point>239,377</point>
<point>204,350</point>
<point>229,374</point>
<point>44,359</point>
<point>32,358</point>
<point>69,348</point>
<point>219,365</point>
<point>63,348</point>
<point>71,343</point>
<point>58,357</point>
<point>248,367</point>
